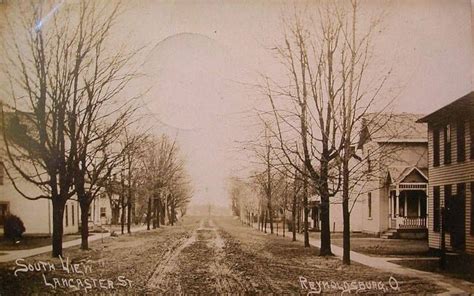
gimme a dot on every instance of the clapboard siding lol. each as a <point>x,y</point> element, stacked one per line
<point>450,174</point>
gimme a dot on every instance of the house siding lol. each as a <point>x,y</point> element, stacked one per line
<point>451,174</point>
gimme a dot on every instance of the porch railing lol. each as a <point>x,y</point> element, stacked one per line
<point>412,222</point>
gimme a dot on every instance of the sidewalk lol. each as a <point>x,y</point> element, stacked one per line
<point>13,255</point>
<point>454,286</point>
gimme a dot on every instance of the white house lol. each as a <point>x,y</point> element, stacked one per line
<point>390,198</point>
<point>37,215</point>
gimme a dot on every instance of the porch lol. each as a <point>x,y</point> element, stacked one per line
<point>408,206</point>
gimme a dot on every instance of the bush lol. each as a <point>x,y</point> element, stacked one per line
<point>13,227</point>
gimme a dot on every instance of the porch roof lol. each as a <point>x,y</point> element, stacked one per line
<point>399,174</point>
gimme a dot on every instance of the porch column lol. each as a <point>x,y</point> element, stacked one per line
<point>426,199</point>
<point>397,201</point>
<point>419,206</point>
<point>406,203</point>
<point>390,206</point>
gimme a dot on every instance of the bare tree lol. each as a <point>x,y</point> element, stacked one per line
<point>98,115</point>
<point>316,114</point>
<point>42,67</point>
<point>165,173</point>
<point>132,153</point>
<point>72,96</point>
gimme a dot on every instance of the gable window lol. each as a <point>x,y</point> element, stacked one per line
<point>447,144</point>
<point>436,208</point>
<point>436,147</point>
<point>3,212</point>
<point>471,134</point>
<point>461,141</point>
<point>369,204</point>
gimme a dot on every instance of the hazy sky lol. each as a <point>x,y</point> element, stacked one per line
<point>201,59</point>
<point>202,56</point>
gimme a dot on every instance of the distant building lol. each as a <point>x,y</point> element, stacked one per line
<point>451,169</point>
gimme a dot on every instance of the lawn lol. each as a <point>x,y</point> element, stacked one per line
<point>31,242</point>
<point>373,246</point>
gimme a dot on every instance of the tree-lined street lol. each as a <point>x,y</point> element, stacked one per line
<point>236,147</point>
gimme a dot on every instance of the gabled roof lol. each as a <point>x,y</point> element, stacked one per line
<point>398,174</point>
<point>393,128</point>
<point>461,108</point>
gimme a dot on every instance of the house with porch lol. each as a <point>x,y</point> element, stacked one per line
<point>393,199</point>
<point>390,197</point>
<point>451,169</point>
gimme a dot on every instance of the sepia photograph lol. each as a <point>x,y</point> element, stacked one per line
<point>236,147</point>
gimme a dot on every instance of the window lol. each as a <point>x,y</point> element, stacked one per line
<point>3,212</point>
<point>461,190</point>
<point>461,141</point>
<point>436,208</point>
<point>102,212</point>
<point>471,133</point>
<point>436,147</point>
<point>369,203</point>
<point>72,214</point>
<point>447,144</point>
<point>67,220</point>
<point>472,208</point>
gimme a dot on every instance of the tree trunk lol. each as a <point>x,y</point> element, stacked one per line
<point>270,216</point>
<point>148,214</point>
<point>346,236</point>
<point>306,211</point>
<point>168,212</point>
<point>58,229</point>
<point>173,214</point>
<point>115,214</point>
<point>265,222</point>
<point>325,248</point>
<point>298,217</point>
<point>163,212</point>
<point>85,225</point>
<point>124,209</point>
<point>158,212</point>
<point>293,216</point>
<point>129,213</point>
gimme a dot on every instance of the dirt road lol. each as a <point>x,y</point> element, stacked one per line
<point>207,256</point>
<point>196,265</point>
<point>222,256</point>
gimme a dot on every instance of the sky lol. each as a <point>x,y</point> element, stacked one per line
<point>201,59</point>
